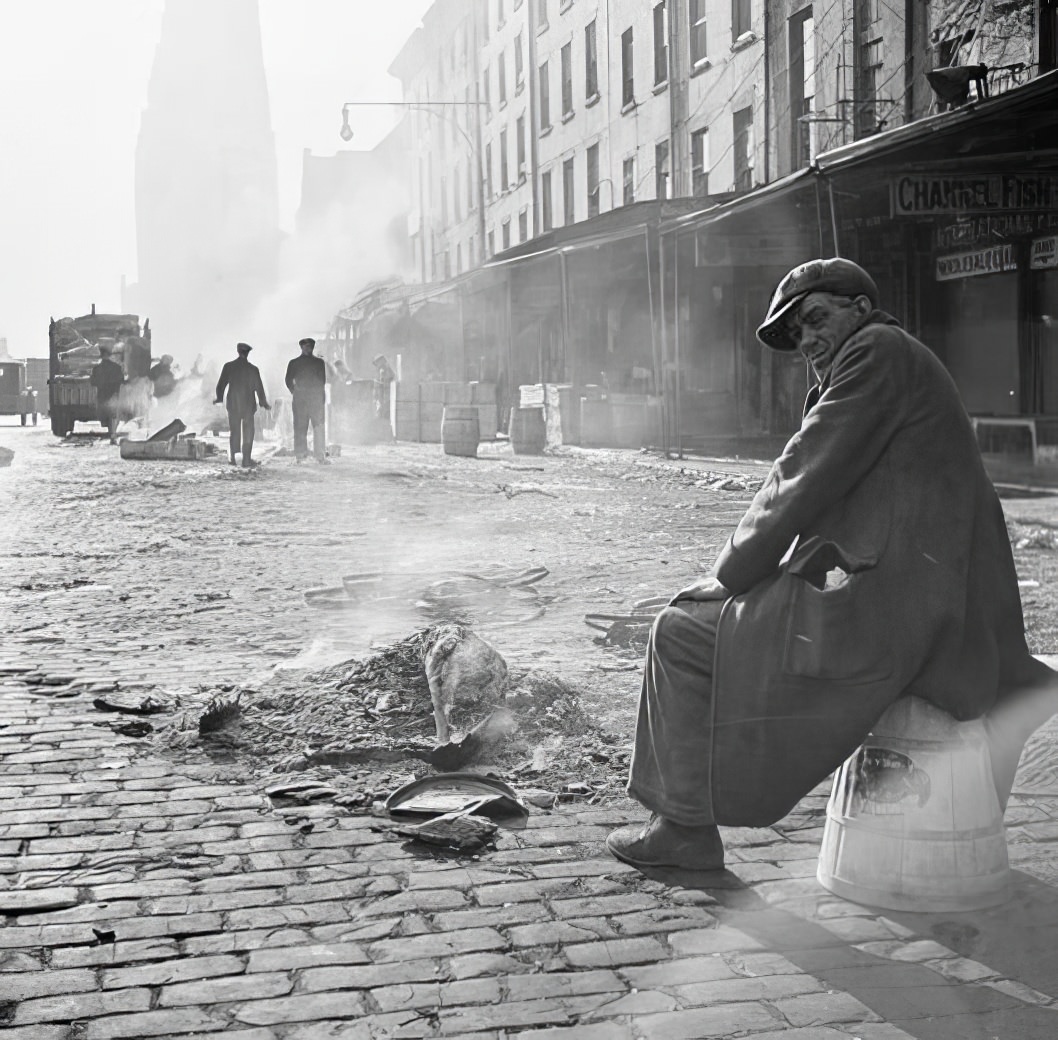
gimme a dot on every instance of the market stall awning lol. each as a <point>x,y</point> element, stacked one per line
<point>1022,120</point>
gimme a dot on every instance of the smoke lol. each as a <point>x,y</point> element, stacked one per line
<point>322,268</point>
<point>341,244</point>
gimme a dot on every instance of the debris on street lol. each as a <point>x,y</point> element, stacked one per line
<point>344,734</point>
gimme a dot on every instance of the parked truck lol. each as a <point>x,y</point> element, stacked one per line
<point>74,351</point>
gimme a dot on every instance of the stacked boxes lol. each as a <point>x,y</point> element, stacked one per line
<point>418,408</point>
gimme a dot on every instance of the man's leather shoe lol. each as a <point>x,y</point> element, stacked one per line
<point>662,843</point>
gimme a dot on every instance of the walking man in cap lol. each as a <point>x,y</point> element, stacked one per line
<point>306,380</point>
<point>245,391</point>
<point>873,563</point>
<point>107,378</point>
<point>384,377</point>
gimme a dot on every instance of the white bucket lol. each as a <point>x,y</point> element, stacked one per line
<point>913,821</point>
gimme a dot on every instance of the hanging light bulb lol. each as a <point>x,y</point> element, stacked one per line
<point>346,132</point>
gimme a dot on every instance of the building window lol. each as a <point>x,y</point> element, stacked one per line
<point>593,180</point>
<point>742,121</point>
<point>519,147</point>
<point>567,191</point>
<point>490,242</point>
<point>471,201</point>
<point>628,94</point>
<point>519,68</point>
<point>486,92</point>
<point>545,98</point>
<point>500,15</point>
<point>567,80</point>
<point>457,196</point>
<point>699,40</point>
<point>541,15</point>
<point>591,62</point>
<point>546,212</point>
<point>501,77</point>
<point>741,18</point>
<point>505,233</point>
<point>523,226</point>
<point>661,43</point>
<point>505,180</point>
<point>459,258</point>
<point>444,202</point>
<point>488,171</point>
<point>802,85</point>
<point>483,9</point>
<point>447,265</point>
<point>661,169</point>
<point>628,181</point>
<point>700,163</point>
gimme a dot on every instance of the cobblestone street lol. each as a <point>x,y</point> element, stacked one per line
<point>147,896</point>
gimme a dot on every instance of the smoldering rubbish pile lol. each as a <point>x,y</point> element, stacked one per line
<point>441,699</point>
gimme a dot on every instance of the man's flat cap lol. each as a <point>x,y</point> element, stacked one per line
<point>836,275</point>
<point>243,348</point>
<point>308,341</point>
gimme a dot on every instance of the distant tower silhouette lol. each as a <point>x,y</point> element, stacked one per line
<point>206,199</point>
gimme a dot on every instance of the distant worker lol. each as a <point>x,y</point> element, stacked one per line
<point>245,391</point>
<point>384,376</point>
<point>163,380</point>
<point>107,377</point>
<point>307,382</point>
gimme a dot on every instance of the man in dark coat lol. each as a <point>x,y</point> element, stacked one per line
<point>107,377</point>
<point>384,377</point>
<point>873,563</point>
<point>245,391</point>
<point>163,379</point>
<point>307,382</point>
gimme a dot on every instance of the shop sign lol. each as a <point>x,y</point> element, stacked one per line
<point>977,261</point>
<point>917,195</point>
<point>1044,253</point>
<point>979,231</point>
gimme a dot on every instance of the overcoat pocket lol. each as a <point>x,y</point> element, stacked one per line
<point>835,633</point>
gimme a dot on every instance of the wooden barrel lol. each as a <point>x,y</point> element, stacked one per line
<point>528,431</point>
<point>913,821</point>
<point>459,430</point>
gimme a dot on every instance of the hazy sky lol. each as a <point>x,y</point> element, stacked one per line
<point>73,82</point>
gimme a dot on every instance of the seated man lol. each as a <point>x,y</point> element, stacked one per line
<point>873,563</point>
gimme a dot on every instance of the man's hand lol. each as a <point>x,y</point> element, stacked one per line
<point>702,591</point>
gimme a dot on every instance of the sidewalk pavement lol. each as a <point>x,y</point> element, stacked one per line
<point>146,899</point>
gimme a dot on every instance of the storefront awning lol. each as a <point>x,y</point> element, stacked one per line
<point>752,200</point>
<point>1024,120</point>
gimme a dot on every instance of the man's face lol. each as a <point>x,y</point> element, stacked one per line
<point>306,349</point>
<point>821,323</point>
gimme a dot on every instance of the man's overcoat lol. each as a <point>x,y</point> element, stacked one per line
<point>883,483</point>
<point>245,389</point>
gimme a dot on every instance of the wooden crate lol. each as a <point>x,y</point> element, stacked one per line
<point>183,450</point>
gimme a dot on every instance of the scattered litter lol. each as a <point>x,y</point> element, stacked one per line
<point>132,729</point>
<point>130,704</point>
<point>457,832</point>
<point>219,713</point>
<point>511,490</point>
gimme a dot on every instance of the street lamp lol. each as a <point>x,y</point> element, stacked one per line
<point>346,134</point>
